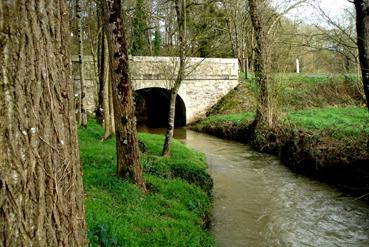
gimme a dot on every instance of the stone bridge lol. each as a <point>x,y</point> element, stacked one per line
<point>207,81</point>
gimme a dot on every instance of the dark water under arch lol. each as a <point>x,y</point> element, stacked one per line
<point>152,108</point>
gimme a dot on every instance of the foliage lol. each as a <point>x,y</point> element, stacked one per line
<point>139,28</point>
<point>157,42</point>
<point>173,213</point>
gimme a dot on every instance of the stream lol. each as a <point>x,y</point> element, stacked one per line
<point>260,202</point>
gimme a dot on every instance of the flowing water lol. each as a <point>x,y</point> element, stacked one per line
<point>260,202</point>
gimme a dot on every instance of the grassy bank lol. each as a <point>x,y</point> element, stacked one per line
<point>339,123</point>
<point>173,213</point>
<point>295,92</point>
<point>329,143</point>
<point>335,122</point>
<point>322,129</point>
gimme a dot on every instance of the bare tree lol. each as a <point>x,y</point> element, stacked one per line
<point>180,6</point>
<point>41,192</point>
<point>362,29</point>
<point>239,30</point>
<point>128,162</point>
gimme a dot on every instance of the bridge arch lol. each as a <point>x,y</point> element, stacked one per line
<point>206,82</point>
<point>152,107</point>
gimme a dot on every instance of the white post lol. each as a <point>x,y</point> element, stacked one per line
<point>297,66</point>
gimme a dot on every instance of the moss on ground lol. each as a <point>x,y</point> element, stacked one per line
<point>173,213</point>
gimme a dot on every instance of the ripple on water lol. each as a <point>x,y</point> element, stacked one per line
<point>259,202</point>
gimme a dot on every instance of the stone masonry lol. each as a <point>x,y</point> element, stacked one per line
<point>207,80</point>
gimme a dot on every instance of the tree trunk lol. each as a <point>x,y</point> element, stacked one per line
<point>148,20</point>
<point>264,114</point>
<point>128,162</point>
<point>82,114</point>
<point>111,108</point>
<point>41,192</point>
<point>100,64</point>
<point>247,72</point>
<point>180,6</point>
<point>362,29</point>
<point>108,105</point>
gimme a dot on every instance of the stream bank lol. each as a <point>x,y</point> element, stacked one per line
<point>322,126</point>
<point>341,162</point>
<point>260,202</point>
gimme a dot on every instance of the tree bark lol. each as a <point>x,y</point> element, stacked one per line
<point>128,163</point>
<point>362,29</point>
<point>264,114</point>
<point>107,99</point>
<point>180,6</point>
<point>148,20</point>
<point>82,114</point>
<point>100,66</point>
<point>41,192</point>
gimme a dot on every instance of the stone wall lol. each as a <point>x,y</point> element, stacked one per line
<point>91,80</point>
<point>207,80</point>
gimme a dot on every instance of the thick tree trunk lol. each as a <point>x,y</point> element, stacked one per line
<point>41,193</point>
<point>264,114</point>
<point>82,114</point>
<point>128,162</point>
<point>362,28</point>
<point>181,18</point>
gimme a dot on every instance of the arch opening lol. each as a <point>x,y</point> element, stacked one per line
<point>152,108</point>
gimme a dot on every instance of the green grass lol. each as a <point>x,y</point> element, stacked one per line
<point>291,78</point>
<point>291,91</point>
<point>119,214</point>
<point>237,118</point>
<point>336,122</point>
<point>340,123</point>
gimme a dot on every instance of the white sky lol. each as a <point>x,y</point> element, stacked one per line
<point>335,6</point>
<point>308,14</point>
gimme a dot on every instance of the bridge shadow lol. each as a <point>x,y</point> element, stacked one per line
<point>152,108</point>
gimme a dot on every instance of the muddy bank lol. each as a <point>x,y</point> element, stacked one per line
<point>344,163</point>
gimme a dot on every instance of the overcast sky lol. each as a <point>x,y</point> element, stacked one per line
<point>335,7</point>
<point>308,14</point>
